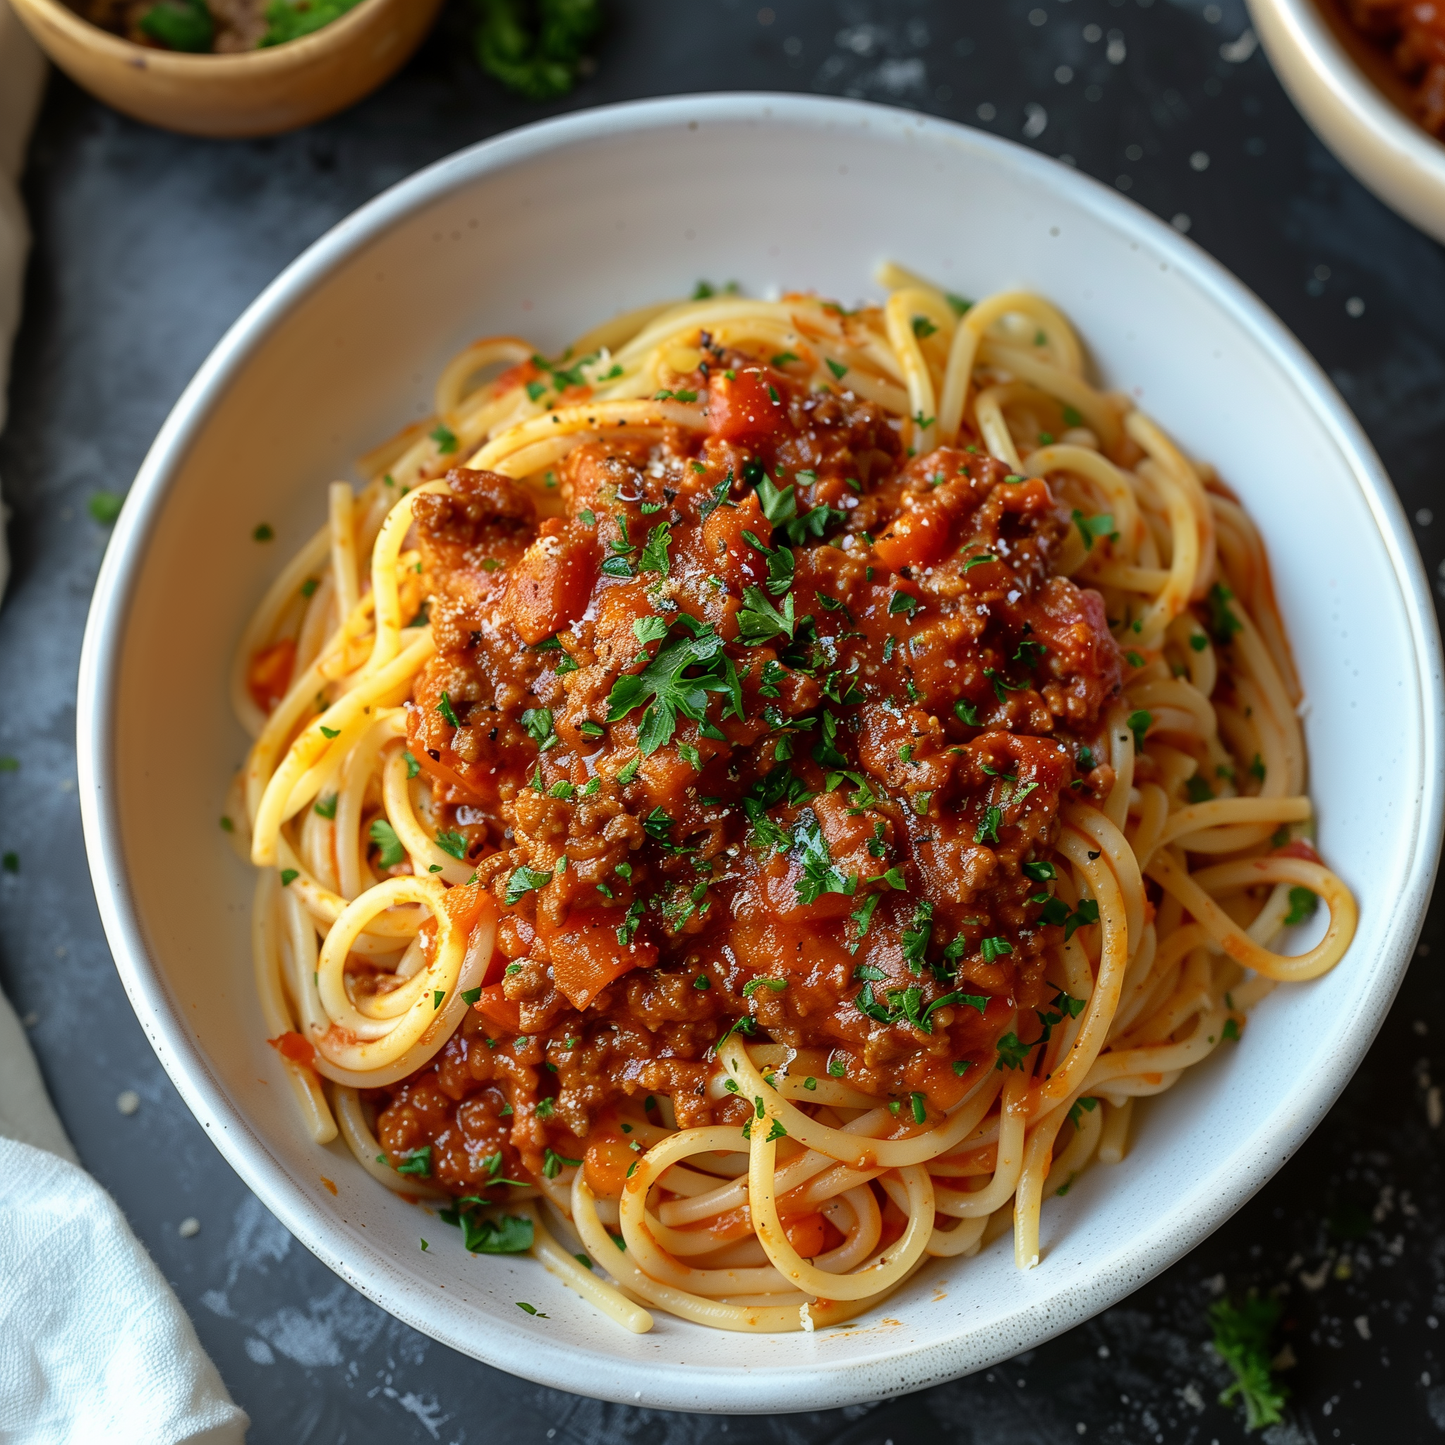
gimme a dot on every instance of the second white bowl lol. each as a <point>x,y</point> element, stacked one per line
<point>1377,142</point>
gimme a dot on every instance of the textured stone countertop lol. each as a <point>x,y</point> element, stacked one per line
<point>149,245</point>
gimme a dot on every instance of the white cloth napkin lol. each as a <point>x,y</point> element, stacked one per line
<point>94,1346</point>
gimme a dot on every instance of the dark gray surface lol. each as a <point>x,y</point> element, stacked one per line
<point>149,245</point>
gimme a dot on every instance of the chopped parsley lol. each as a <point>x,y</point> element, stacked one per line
<point>654,554</point>
<point>1011,1052</point>
<point>758,619</point>
<point>448,712</point>
<point>1001,687</point>
<point>753,985</point>
<point>780,507</point>
<point>538,723</point>
<point>384,836</point>
<point>1242,1340</point>
<point>553,1163</point>
<point>667,691</point>
<point>917,936</point>
<point>861,917</point>
<point>627,929</point>
<point>445,438</point>
<point>1139,723</point>
<point>326,807</point>
<point>820,874</point>
<point>1092,529</point>
<point>417,1163</point>
<point>523,881</point>
<point>1302,904</point>
<point>1086,912</point>
<point>1223,624</point>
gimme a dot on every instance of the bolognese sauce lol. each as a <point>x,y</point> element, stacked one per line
<point>764,730</point>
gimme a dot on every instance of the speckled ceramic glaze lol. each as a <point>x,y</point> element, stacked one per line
<point>1352,110</point>
<point>545,232</point>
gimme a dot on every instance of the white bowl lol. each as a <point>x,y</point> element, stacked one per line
<point>546,231</point>
<point>1344,90</point>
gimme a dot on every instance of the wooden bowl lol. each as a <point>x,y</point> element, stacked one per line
<point>260,92</point>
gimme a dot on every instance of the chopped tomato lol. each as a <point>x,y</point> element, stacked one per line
<point>748,407</point>
<point>730,553</point>
<point>269,675</point>
<point>918,537</point>
<point>551,585</point>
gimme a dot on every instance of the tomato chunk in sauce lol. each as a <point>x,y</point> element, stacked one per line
<point>764,729</point>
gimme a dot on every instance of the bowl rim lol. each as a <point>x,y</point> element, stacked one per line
<point>820,1383</point>
<point>293,55</point>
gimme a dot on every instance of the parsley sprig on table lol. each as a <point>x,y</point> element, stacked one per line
<point>1241,1340</point>
<point>535,51</point>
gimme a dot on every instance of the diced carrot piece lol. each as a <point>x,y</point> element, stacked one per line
<point>587,954</point>
<point>499,1010</point>
<point>918,537</point>
<point>605,1167</point>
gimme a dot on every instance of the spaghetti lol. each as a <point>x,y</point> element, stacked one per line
<point>761,822</point>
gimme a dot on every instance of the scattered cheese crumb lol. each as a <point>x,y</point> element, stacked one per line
<point>128,1101</point>
<point>189,1228</point>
